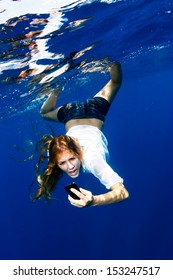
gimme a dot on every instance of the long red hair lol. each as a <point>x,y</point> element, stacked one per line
<point>50,147</point>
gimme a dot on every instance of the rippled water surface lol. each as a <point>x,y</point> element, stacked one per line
<point>45,45</point>
<point>40,51</point>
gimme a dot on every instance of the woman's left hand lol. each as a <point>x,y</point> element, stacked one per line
<point>86,198</point>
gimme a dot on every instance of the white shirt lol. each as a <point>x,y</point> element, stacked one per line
<point>95,153</point>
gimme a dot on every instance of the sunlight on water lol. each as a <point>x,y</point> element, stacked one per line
<point>45,45</point>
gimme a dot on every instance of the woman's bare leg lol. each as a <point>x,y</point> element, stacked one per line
<point>111,88</point>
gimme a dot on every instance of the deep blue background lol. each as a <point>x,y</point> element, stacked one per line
<point>139,132</point>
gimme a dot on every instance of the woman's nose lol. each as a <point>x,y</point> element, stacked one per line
<point>70,165</point>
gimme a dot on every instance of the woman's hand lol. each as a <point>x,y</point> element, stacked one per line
<point>117,193</point>
<point>86,198</point>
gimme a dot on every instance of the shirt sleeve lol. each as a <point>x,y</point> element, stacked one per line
<point>102,170</point>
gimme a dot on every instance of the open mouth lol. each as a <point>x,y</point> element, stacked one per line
<point>72,173</point>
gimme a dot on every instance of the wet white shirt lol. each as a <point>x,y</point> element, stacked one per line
<point>95,153</point>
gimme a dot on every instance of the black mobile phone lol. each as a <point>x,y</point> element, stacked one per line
<point>68,189</point>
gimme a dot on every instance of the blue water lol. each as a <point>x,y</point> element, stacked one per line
<point>138,128</point>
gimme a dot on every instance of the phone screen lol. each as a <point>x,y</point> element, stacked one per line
<point>68,189</point>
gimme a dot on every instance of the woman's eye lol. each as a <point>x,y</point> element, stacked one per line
<point>73,158</point>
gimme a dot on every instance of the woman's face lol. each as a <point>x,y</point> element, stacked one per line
<point>68,163</point>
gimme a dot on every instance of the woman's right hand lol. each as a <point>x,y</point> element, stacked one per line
<point>86,198</point>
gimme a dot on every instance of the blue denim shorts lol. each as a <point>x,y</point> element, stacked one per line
<point>96,107</point>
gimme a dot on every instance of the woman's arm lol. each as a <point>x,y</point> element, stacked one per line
<point>48,110</point>
<point>118,193</point>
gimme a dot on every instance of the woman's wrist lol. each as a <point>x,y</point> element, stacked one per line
<point>98,200</point>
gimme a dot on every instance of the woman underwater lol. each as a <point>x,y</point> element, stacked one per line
<point>84,146</point>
